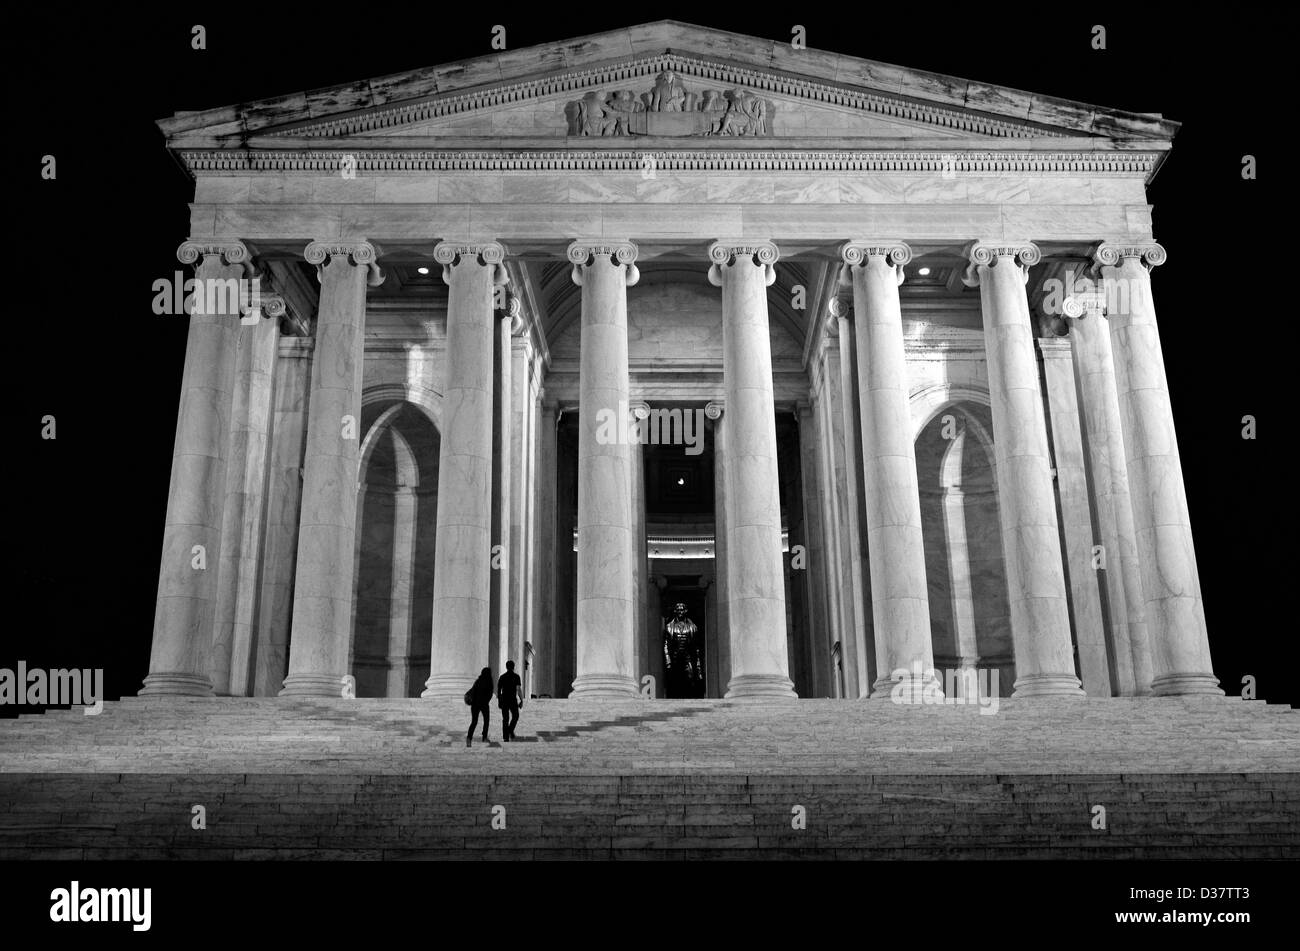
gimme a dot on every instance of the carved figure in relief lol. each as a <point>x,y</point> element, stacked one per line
<point>669,109</point>
<point>746,115</point>
<point>715,105</point>
<point>668,94</point>
<point>593,116</point>
<point>619,110</point>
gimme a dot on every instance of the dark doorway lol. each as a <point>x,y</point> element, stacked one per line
<point>682,639</point>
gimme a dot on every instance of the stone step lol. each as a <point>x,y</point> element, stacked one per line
<point>280,816</point>
<point>662,779</point>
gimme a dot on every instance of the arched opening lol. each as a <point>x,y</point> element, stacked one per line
<point>396,526</point>
<point>970,621</point>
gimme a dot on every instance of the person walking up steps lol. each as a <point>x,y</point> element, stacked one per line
<point>479,699</point>
<point>510,698</point>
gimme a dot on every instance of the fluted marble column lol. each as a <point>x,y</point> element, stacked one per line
<point>1175,615</point>
<point>1094,370</point>
<point>1077,525</point>
<point>606,621</point>
<point>327,525</point>
<point>246,485</point>
<point>900,600</point>
<point>755,583</point>
<point>1040,619</point>
<point>462,573</point>
<point>187,578</point>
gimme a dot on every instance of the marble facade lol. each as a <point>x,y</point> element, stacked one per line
<point>922,445</point>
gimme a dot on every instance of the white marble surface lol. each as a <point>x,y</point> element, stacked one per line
<point>899,595</point>
<point>1175,615</point>
<point>1040,621</point>
<point>179,660</point>
<point>235,626</point>
<point>607,551</point>
<point>755,573</point>
<point>1076,526</point>
<point>1099,399</point>
<point>323,585</point>
<point>463,550</point>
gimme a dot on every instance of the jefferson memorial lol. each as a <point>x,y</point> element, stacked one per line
<point>679,363</point>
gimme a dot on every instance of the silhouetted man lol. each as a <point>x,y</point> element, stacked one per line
<point>510,697</point>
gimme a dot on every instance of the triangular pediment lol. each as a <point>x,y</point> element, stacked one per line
<point>672,95</point>
<point>664,80</point>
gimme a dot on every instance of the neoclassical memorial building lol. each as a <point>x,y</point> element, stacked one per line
<point>669,352</point>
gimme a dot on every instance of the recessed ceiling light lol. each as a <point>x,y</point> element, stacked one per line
<point>681,481</point>
<point>422,270</point>
<point>924,271</point>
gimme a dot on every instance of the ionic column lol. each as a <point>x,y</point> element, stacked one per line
<point>1094,371</point>
<point>521,486</point>
<point>900,600</point>
<point>462,574</point>
<point>327,526</point>
<point>860,649</point>
<point>504,476</point>
<point>187,578</point>
<point>1175,615</point>
<point>755,582</point>
<point>606,621</point>
<point>1076,524</point>
<point>246,481</point>
<point>1040,619</point>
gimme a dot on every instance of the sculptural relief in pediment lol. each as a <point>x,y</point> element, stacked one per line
<point>670,108</point>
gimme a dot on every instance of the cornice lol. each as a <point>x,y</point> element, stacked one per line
<point>400,161</point>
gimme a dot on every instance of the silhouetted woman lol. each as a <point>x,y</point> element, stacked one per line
<point>480,697</point>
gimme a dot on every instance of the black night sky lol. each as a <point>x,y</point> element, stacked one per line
<point>86,510</point>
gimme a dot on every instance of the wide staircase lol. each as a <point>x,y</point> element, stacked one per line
<point>369,779</point>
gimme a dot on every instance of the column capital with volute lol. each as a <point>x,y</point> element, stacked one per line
<point>1024,254</point>
<point>858,253</point>
<point>726,253</point>
<point>486,253</point>
<point>584,251</point>
<point>358,252</point>
<point>231,251</point>
<point>1084,305</point>
<point>1114,253</point>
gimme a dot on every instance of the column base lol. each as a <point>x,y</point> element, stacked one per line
<point>179,685</point>
<point>1178,685</point>
<point>448,686</point>
<point>312,685</point>
<point>910,689</point>
<point>1047,685</point>
<point>764,686</point>
<point>604,687</point>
